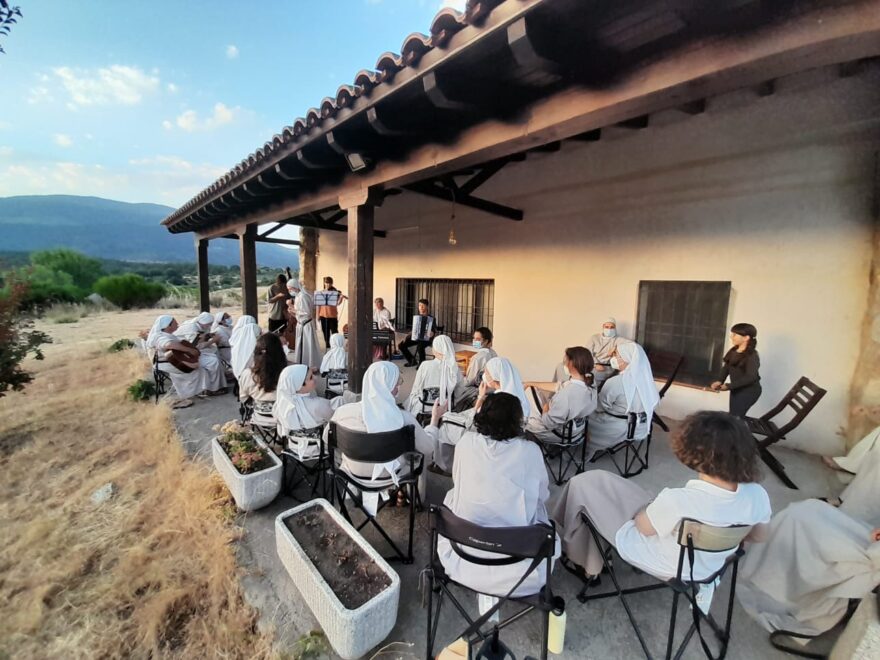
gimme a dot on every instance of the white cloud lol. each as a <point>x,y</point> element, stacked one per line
<point>117,84</point>
<point>190,121</point>
<point>167,125</point>
<point>232,52</point>
<point>63,140</point>
<point>59,177</point>
<point>172,88</point>
<point>5,152</point>
<point>459,5</point>
<point>39,94</point>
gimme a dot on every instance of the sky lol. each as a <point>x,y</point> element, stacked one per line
<point>152,101</point>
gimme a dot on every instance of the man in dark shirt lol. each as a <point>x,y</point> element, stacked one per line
<point>421,336</point>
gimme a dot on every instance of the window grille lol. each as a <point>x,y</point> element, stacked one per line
<point>458,306</point>
<point>684,318</point>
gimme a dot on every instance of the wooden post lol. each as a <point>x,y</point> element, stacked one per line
<point>361,211</point>
<point>204,288</point>
<point>248,264</point>
<point>308,257</point>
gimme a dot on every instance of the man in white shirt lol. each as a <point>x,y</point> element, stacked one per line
<point>382,321</point>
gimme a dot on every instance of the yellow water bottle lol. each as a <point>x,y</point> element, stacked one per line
<point>556,636</point>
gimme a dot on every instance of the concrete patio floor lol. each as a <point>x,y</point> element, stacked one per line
<point>598,629</point>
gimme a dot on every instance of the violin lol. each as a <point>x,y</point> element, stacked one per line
<point>184,361</point>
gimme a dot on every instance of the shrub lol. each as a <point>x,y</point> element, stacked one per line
<point>121,345</point>
<point>41,286</point>
<point>142,390</point>
<point>17,340</point>
<point>83,271</point>
<point>129,290</point>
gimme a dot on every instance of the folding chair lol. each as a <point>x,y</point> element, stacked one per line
<point>160,378</point>
<point>429,396</point>
<point>635,452</point>
<point>246,410</point>
<point>337,381</point>
<point>305,461</point>
<point>572,441</point>
<point>263,423</point>
<point>802,398</point>
<point>534,543</point>
<point>693,536</point>
<point>665,361</point>
<point>375,448</point>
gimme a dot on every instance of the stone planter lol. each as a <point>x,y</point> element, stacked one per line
<point>250,491</point>
<point>352,633</point>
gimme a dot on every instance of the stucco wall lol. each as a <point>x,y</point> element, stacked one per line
<point>773,194</point>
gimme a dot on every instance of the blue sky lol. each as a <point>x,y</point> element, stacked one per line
<point>151,101</point>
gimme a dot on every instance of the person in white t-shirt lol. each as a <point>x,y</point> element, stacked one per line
<point>644,529</point>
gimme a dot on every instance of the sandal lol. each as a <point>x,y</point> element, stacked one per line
<point>183,403</point>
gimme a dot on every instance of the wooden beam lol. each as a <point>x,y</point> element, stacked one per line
<point>308,256</point>
<point>588,136</point>
<point>250,190</point>
<point>438,98</point>
<point>313,164</point>
<point>360,294</point>
<point>271,231</point>
<point>636,123</point>
<point>523,50</point>
<point>306,221</point>
<point>280,171</point>
<point>277,241</point>
<point>380,127</point>
<point>481,177</point>
<point>262,180</point>
<point>828,35</point>
<point>336,217</point>
<point>697,107</point>
<point>204,279</point>
<point>431,190</point>
<point>248,267</point>
<point>766,88</point>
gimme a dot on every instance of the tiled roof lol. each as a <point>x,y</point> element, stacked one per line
<point>445,24</point>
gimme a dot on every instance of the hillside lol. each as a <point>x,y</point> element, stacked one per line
<point>112,230</point>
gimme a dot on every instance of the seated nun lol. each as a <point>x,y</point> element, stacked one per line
<point>499,375</point>
<point>644,527</point>
<point>298,408</point>
<point>574,398</point>
<point>222,330</point>
<point>602,346</point>
<point>441,374</point>
<point>188,379</point>
<point>376,412</point>
<point>258,382</point>
<point>861,468</point>
<point>197,331</point>
<point>632,390</point>
<point>469,387</point>
<point>242,342</point>
<point>335,359</point>
<point>499,481</point>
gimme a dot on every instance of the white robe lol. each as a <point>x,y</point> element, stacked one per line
<point>209,376</point>
<point>867,445</point>
<point>606,431</point>
<point>861,498</point>
<point>429,375</point>
<point>224,350</point>
<point>306,351</point>
<point>601,347</point>
<point>515,495</point>
<point>468,387</point>
<point>573,400</point>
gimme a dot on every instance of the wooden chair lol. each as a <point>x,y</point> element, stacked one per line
<point>665,361</point>
<point>802,398</point>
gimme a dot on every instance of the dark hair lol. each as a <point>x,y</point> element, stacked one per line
<point>328,280</point>
<point>582,360</point>
<point>747,330</point>
<point>280,279</point>
<point>425,302</point>
<point>500,417</point>
<point>269,361</point>
<point>717,444</point>
<point>485,333</point>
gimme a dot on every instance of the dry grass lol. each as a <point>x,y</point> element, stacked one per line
<point>150,573</point>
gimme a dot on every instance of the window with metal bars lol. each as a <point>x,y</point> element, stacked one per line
<point>684,318</point>
<point>458,306</point>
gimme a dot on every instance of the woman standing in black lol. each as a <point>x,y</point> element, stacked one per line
<point>741,364</point>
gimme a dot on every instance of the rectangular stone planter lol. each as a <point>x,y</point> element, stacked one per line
<point>250,491</point>
<point>352,633</point>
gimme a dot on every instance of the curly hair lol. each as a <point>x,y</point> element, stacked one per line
<point>717,444</point>
<point>269,361</point>
<point>500,417</point>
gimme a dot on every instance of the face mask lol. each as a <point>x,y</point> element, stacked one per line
<point>567,371</point>
<point>615,363</point>
<point>609,332</point>
<point>228,323</point>
<point>477,344</point>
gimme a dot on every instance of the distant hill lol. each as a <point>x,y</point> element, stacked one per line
<point>113,230</point>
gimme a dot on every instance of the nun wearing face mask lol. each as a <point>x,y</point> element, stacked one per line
<point>442,372</point>
<point>602,346</point>
<point>376,412</point>
<point>468,388</point>
<point>632,390</point>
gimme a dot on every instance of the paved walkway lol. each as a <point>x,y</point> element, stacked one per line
<point>596,630</point>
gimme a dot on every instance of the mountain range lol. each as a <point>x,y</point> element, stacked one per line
<point>108,229</point>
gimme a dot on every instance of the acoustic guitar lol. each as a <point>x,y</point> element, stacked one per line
<point>184,361</point>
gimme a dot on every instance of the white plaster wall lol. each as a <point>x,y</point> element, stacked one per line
<point>773,194</point>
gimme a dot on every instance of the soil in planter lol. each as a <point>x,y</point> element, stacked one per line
<point>352,575</point>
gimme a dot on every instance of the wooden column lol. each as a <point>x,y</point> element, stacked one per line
<point>308,257</point>
<point>248,264</point>
<point>204,283</point>
<point>361,209</point>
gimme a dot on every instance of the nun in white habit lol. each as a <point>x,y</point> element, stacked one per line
<point>306,351</point>
<point>162,339</point>
<point>242,342</point>
<point>376,412</point>
<point>297,408</point>
<point>222,329</point>
<point>442,372</point>
<point>499,375</point>
<point>515,494</point>
<point>211,370</point>
<point>335,359</point>
<point>630,391</point>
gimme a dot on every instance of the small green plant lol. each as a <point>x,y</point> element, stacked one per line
<point>313,644</point>
<point>142,390</point>
<point>121,345</point>
<point>244,452</point>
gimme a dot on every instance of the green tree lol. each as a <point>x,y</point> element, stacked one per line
<point>129,290</point>
<point>17,339</point>
<point>41,286</point>
<point>84,270</point>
